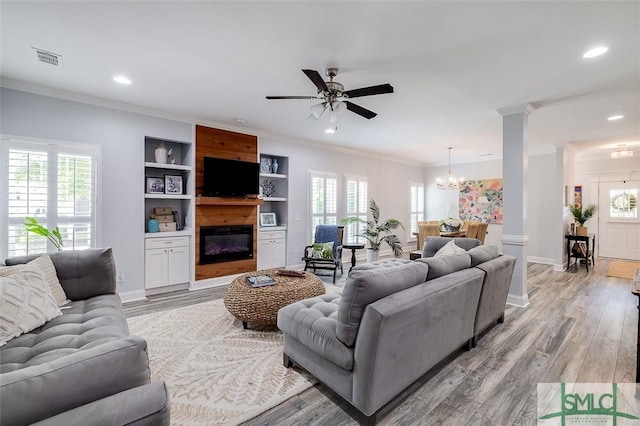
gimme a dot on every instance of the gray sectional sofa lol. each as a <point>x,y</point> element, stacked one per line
<point>394,322</point>
<point>82,367</point>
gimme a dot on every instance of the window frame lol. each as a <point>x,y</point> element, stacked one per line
<point>323,175</point>
<point>419,186</point>
<point>364,213</point>
<point>53,148</point>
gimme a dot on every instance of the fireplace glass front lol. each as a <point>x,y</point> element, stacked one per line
<point>225,243</point>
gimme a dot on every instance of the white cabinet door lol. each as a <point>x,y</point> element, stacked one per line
<point>264,254</point>
<point>178,265</point>
<point>156,267</point>
<point>278,254</point>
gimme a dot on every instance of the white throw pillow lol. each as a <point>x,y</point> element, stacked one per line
<point>45,264</point>
<point>449,249</point>
<point>49,270</point>
<point>25,302</point>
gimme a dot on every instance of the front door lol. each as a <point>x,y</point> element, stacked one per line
<point>619,222</point>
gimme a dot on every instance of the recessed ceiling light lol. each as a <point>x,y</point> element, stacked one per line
<point>239,120</point>
<point>596,51</point>
<point>615,117</point>
<point>330,131</point>
<point>121,79</point>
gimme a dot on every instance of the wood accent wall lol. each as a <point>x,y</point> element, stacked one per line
<point>231,146</point>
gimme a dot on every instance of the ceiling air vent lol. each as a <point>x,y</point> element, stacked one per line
<point>48,57</point>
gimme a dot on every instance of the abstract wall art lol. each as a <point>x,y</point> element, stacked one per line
<point>481,200</point>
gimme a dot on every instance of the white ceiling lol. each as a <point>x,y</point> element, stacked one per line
<point>452,65</point>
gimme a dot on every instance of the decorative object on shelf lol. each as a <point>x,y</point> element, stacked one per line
<point>161,153</point>
<point>173,185</point>
<point>155,185</point>
<point>452,182</point>
<point>265,165</point>
<point>171,157</point>
<point>582,215</point>
<point>451,224</point>
<point>377,232</point>
<point>31,225</point>
<point>268,188</point>
<point>268,219</point>
<point>153,225</point>
<point>274,166</point>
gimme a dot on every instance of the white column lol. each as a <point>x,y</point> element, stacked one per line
<point>514,177</point>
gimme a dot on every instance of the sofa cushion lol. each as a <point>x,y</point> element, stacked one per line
<point>84,324</point>
<point>433,244</point>
<point>381,264</point>
<point>46,266</point>
<point>483,254</point>
<point>366,286</point>
<point>449,249</point>
<point>312,322</point>
<point>25,302</point>
<point>444,265</point>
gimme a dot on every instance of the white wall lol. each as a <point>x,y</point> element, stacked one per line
<point>388,184</point>
<point>121,137</point>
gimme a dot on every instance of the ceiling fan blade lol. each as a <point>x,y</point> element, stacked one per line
<point>317,79</point>
<point>368,91</point>
<point>359,110</point>
<point>292,97</point>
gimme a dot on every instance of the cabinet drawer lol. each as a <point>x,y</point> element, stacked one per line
<point>270,235</point>
<point>154,243</point>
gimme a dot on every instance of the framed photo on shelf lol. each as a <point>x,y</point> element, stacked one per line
<point>173,184</point>
<point>265,165</point>
<point>155,185</point>
<point>268,219</point>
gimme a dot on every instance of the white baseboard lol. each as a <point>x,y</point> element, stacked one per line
<point>213,282</point>
<point>519,301</point>
<point>559,268</point>
<point>131,296</point>
<point>542,260</point>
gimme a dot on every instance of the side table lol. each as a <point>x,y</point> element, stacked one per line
<point>353,248</point>
<point>589,254</point>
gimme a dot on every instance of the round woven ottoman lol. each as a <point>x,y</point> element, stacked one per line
<point>259,306</point>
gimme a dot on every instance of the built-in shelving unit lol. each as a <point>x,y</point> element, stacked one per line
<point>168,254</point>
<point>274,189</point>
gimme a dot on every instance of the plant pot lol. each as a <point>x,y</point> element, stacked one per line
<point>372,255</point>
<point>582,231</point>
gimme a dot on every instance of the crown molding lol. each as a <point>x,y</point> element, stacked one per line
<point>526,109</point>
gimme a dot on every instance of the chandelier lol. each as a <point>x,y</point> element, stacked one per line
<point>451,183</point>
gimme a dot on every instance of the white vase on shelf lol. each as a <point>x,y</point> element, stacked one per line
<point>161,153</point>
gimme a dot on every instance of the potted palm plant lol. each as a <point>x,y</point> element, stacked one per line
<point>377,232</point>
<point>581,215</point>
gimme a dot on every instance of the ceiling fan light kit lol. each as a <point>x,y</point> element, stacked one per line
<point>333,96</point>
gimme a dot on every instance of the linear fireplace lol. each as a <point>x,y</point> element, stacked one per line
<point>225,243</point>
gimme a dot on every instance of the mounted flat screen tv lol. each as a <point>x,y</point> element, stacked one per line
<point>229,178</point>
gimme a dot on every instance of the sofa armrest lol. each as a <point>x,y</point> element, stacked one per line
<point>146,405</point>
<point>82,273</point>
<point>31,394</point>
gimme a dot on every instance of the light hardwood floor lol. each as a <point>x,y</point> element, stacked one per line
<point>579,327</point>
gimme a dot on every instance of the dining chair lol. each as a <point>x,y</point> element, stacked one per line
<point>425,230</point>
<point>482,232</point>
<point>472,229</point>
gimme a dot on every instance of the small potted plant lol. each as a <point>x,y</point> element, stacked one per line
<point>31,224</point>
<point>377,232</point>
<point>582,215</point>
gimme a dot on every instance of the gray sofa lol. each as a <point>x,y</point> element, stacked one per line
<point>394,322</point>
<point>82,367</point>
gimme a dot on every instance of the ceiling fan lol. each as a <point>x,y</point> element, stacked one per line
<point>333,96</point>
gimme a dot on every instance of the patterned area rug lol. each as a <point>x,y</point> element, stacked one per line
<point>217,372</point>
<point>622,269</point>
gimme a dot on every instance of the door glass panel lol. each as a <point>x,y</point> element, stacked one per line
<point>623,203</point>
